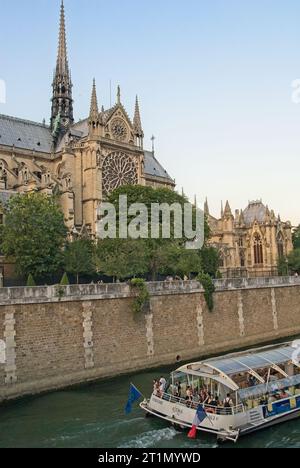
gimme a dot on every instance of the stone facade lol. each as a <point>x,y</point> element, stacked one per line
<point>81,161</point>
<point>91,332</point>
<point>251,242</point>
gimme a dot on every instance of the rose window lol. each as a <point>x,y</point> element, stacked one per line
<point>118,169</point>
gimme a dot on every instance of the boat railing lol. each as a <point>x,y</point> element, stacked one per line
<point>219,410</point>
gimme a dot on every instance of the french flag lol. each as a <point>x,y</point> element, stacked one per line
<point>199,418</point>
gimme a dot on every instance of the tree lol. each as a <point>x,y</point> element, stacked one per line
<point>164,256</point>
<point>294,261</point>
<point>283,266</point>
<point>122,258</point>
<point>34,234</point>
<point>79,258</point>
<point>210,261</point>
<point>296,238</point>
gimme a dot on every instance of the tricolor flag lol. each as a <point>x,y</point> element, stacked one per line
<point>134,395</point>
<point>199,418</point>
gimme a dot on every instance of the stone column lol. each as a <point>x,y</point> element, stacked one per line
<point>88,343</point>
<point>10,367</point>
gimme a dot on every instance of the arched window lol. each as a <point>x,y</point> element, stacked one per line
<point>280,246</point>
<point>258,250</point>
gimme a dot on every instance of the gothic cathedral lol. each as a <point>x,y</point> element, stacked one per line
<point>81,161</point>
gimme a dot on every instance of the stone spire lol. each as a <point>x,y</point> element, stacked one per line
<point>62,66</point>
<point>94,112</point>
<point>137,123</point>
<point>227,211</point>
<point>94,119</point>
<point>62,102</point>
<point>119,95</point>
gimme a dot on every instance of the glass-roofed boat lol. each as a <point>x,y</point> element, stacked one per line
<point>237,394</point>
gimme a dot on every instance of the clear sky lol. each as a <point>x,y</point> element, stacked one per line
<point>213,76</point>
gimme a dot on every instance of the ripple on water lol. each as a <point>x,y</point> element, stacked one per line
<point>151,438</point>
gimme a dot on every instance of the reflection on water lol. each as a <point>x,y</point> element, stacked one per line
<point>93,416</point>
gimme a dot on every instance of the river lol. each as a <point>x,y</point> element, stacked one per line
<point>93,416</point>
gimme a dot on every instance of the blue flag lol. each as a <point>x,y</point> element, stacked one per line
<point>134,395</point>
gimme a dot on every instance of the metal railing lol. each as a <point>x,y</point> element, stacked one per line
<point>219,410</point>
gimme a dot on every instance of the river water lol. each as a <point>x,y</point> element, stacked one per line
<point>93,416</point>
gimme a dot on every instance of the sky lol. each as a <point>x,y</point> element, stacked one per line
<point>214,79</point>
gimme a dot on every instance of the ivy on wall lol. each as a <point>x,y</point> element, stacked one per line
<point>209,289</point>
<point>143,296</point>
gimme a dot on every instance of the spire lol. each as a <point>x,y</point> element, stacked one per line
<point>137,123</point>
<point>222,209</point>
<point>62,66</point>
<point>227,211</point>
<point>118,95</point>
<point>94,112</point>
<point>62,102</point>
<point>94,119</point>
<point>206,207</point>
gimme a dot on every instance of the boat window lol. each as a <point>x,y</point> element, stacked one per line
<point>272,387</point>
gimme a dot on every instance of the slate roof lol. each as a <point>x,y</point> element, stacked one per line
<point>28,135</point>
<point>25,134</point>
<point>255,211</point>
<point>154,168</point>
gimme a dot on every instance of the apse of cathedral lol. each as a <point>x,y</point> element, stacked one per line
<point>82,162</point>
<point>250,242</point>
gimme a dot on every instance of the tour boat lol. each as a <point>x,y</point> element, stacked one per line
<point>256,390</point>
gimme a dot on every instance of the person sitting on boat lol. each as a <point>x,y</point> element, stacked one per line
<point>284,394</point>
<point>228,402</point>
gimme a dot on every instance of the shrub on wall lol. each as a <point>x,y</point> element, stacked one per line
<point>65,280</point>
<point>30,281</point>
<point>143,296</point>
<point>209,289</point>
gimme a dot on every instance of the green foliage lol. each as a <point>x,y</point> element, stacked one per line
<point>30,281</point>
<point>65,280</point>
<point>157,256</point>
<point>294,261</point>
<point>296,238</point>
<point>122,258</point>
<point>34,234</point>
<point>210,260</point>
<point>209,289</point>
<point>79,258</point>
<point>143,297</point>
<point>283,266</point>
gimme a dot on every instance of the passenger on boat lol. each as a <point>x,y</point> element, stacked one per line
<point>162,384</point>
<point>156,388</point>
<point>228,402</point>
<point>178,390</point>
<point>189,394</point>
<point>284,395</point>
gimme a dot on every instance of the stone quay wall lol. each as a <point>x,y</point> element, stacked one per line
<point>59,336</point>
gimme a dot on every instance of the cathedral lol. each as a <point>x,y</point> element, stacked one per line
<point>82,162</point>
<point>250,242</point>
